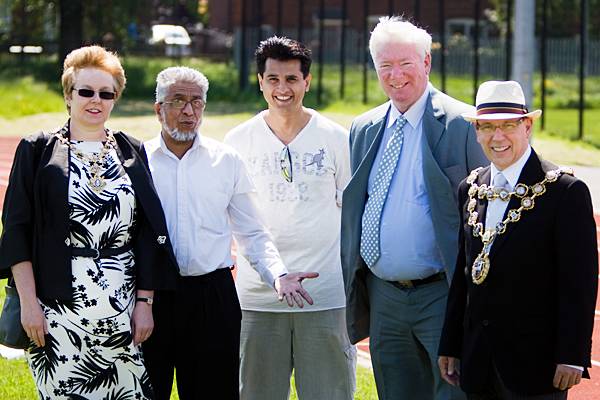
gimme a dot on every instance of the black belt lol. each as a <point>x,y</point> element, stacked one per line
<point>410,284</point>
<point>99,253</point>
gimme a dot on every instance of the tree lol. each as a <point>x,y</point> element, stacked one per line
<point>71,27</point>
<point>27,21</point>
<point>563,16</point>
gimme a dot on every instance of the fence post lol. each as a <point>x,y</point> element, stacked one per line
<point>442,29</point>
<point>582,63</point>
<point>300,19</point>
<point>343,51</point>
<point>544,61</point>
<point>476,49</point>
<point>230,16</point>
<point>417,11</point>
<point>366,49</point>
<point>321,43</point>
<point>508,43</point>
<point>257,18</point>
<point>243,77</point>
<point>279,19</point>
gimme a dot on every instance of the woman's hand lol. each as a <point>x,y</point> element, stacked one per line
<point>32,317</point>
<point>142,322</point>
<point>34,321</point>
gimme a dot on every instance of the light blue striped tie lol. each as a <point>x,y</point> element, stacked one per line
<point>369,239</point>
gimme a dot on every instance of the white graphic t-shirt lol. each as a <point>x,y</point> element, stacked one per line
<point>303,215</point>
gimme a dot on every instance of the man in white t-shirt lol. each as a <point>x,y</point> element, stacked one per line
<point>299,162</point>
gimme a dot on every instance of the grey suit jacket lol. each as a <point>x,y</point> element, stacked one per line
<point>450,152</point>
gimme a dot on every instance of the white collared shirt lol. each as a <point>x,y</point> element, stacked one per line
<point>207,196</point>
<point>496,208</point>
<point>414,114</point>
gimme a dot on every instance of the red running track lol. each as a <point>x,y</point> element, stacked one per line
<point>7,151</point>
<point>587,390</point>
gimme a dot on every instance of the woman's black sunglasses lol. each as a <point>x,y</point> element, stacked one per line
<point>90,93</point>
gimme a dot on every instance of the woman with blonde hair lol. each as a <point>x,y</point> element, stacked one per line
<point>86,243</point>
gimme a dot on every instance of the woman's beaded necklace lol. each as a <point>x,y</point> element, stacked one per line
<point>95,161</point>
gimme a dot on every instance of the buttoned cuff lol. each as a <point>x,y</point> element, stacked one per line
<point>272,272</point>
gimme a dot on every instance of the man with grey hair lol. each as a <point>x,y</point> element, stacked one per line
<point>407,158</point>
<point>206,195</point>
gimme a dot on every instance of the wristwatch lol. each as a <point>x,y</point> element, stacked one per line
<point>147,300</point>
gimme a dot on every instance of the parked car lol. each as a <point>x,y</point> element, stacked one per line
<point>174,38</point>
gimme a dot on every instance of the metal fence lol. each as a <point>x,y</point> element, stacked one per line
<point>562,53</point>
<point>473,54</point>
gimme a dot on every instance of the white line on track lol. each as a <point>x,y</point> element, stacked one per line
<point>595,363</point>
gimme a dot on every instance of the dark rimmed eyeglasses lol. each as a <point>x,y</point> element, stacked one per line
<point>180,104</point>
<point>285,163</point>
<point>90,93</point>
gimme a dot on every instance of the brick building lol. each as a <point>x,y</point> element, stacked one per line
<point>226,15</point>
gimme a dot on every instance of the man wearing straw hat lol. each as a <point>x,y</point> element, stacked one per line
<point>521,305</point>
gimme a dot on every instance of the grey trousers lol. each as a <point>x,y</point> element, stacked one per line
<point>405,328</point>
<point>313,344</point>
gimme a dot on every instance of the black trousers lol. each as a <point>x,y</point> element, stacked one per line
<point>197,334</point>
<point>496,390</point>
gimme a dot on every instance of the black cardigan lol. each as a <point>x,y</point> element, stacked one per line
<point>36,221</point>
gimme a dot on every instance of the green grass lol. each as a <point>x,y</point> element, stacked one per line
<point>24,96</point>
<point>34,87</point>
<point>16,382</point>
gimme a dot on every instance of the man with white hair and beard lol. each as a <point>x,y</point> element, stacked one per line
<point>206,195</point>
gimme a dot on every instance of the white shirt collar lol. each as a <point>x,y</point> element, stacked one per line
<point>512,172</point>
<point>163,146</point>
<point>413,115</point>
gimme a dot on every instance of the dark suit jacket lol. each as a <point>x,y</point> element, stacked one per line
<point>449,151</point>
<point>536,307</point>
<point>35,217</point>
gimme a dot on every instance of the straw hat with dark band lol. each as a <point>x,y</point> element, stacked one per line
<point>500,100</point>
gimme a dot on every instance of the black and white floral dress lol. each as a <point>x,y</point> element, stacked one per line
<point>89,351</point>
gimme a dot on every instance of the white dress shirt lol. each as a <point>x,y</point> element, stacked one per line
<point>496,208</point>
<point>207,196</point>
